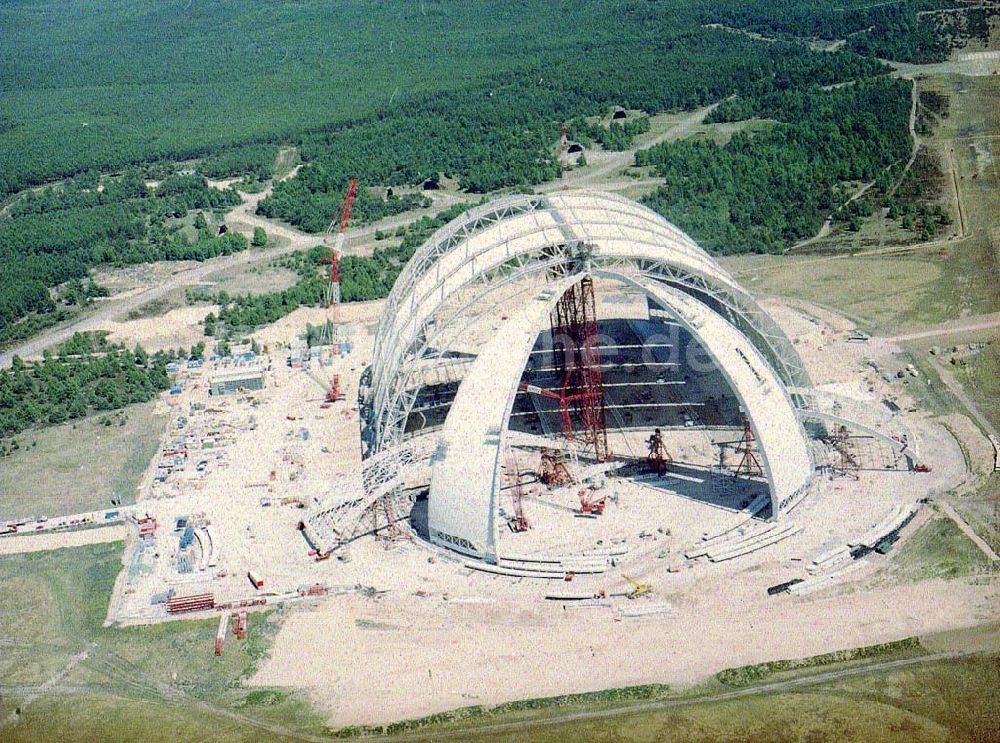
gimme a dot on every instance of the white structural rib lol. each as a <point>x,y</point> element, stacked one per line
<point>781,440</point>
<point>465,479</point>
<point>517,231</point>
<point>466,472</point>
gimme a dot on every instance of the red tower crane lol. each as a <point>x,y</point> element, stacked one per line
<point>336,247</point>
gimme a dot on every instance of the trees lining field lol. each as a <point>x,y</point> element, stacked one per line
<point>912,31</point>
<point>56,235</point>
<point>87,374</point>
<point>111,84</point>
<point>505,133</point>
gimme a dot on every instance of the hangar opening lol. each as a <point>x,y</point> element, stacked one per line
<point>540,352</point>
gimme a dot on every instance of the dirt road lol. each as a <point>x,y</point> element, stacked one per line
<point>357,242</point>
<point>952,327</point>
<point>612,163</point>
<point>58,540</point>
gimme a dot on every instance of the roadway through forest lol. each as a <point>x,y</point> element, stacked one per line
<point>612,163</point>
<point>827,225</point>
<point>244,216</point>
<point>241,216</point>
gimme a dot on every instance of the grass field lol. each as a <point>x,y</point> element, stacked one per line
<point>945,281</point>
<point>259,279</point>
<point>947,701</point>
<point>979,376</point>
<point>162,683</point>
<point>877,292</point>
<point>978,509</point>
<point>79,466</point>
<point>159,682</point>
<point>938,550</point>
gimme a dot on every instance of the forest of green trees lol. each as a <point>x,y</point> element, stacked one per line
<point>902,30</point>
<point>362,278</point>
<point>57,234</point>
<point>310,200</point>
<point>508,135</point>
<point>85,375</point>
<point>80,94</point>
<point>761,191</point>
<point>394,94</point>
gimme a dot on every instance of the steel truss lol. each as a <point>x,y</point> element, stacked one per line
<point>701,275</point>
<point>447,302</point>
<point>385,422</point>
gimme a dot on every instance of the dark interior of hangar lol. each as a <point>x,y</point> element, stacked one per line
<point>655,375</point>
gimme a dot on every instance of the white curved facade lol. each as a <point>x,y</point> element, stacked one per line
<point>457,277</point>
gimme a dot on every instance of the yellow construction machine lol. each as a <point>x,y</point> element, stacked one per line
<point>638,587</point>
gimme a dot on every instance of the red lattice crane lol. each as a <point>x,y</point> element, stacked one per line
<point>749,465</point>
<point>574,329</point>
<point>337,246</point>
<point>518,522</point>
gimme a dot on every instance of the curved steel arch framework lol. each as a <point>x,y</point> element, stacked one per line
<point>519,237</point>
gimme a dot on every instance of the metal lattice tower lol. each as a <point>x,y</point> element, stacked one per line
<point>332,298</point>
<point>749,465</point>
<point>848,465</point>
<point>574,327</point>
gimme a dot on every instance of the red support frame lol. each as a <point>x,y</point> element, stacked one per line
<point>574,331</point>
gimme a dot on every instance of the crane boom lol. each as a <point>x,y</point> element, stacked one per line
<point>337,247</point>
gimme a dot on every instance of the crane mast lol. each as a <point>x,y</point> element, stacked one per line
<point>337,245</point>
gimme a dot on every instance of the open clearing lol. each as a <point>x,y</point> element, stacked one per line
<point>161,683</point>
<point>79,466</point>
<point>937,550</point>
<point>52,608</point>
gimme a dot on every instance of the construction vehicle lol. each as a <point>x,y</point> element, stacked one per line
<point>638,587</point>
<point>552,470</point>
<point>591,505</point>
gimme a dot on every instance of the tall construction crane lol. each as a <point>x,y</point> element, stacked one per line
<point>336,245</point>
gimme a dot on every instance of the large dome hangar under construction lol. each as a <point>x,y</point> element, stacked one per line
<point>540,349</point>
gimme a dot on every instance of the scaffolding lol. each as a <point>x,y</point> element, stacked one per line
<point>749,465</point>
<point>657,458</point>
<point>518,521</point>
<point>574,328</point>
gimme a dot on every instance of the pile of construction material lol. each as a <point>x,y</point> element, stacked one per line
<point>736,544</point>
<point>73,521</point>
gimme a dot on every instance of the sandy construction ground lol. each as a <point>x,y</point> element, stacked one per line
<point>439,636</point>
<point>366,661</point>
<point>59,540</point>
